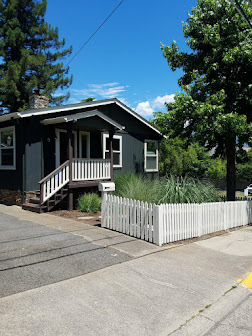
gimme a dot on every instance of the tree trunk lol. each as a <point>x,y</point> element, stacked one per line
<point>231,171</point>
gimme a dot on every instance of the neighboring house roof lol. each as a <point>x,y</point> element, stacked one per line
<point>72,107</point>
<point>246,148</point>
<point>82,115</point>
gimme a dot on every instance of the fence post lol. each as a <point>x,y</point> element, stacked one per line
<point>104,210</point>
<point>158,224</point>
<point>200,220</point>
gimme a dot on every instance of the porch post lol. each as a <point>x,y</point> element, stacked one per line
<point>111,134</point>
<point>70,158</point>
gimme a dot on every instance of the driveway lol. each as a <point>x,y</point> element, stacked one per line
<point>34,255</point>
<point>119,285</point>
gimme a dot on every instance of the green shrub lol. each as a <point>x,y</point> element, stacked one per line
<point>244,171</point>
<point>89,203</point>
<point>216,169</point>
<point>169,189</point>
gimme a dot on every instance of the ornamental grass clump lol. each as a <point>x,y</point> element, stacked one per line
<point>136,187</point>
<point>174,189</point>
<point>169,189</point>
<point>90,203</point>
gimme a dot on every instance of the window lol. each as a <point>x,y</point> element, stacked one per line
<point>7,148</point>
<point>117,149</point>
<point>151,156</point>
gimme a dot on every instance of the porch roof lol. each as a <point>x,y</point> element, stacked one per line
<point>82,115</point>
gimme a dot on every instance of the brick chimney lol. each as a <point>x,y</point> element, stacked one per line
<point>38,101</point>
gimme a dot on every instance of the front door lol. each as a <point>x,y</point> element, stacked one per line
<point>84,145</point>
<point>62,146</point>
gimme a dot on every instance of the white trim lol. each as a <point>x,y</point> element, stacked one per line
<point>88,144</point>
<point>16,115</point>
<point>57,145</point>
<point>153,155</point>
<point>104,150</point>
<point>82,115</point>
<point>126,108</point>
<point>13,167</point>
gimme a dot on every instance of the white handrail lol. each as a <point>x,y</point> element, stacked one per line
<point>82,170</point>
<point>54,182</point>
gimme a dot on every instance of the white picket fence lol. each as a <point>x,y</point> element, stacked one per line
<point>166,223</point>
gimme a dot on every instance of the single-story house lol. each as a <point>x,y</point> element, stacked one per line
<point>50,151</point>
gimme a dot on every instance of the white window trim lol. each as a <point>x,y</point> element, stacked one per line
<point>57,145</point>
<point>87,145</point>
<point>119,137</point>
<point>13,167</point>
<point>152,155</point>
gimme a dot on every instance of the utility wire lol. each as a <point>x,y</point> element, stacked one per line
<point>94,32</point>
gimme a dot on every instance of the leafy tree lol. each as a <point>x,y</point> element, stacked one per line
<point>216,169</point>
<point>89,99</point>
<point>178,158</point>
<point>215,105</point>
<point>30,55</point>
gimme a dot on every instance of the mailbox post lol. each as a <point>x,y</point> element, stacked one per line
<point>106,187</point>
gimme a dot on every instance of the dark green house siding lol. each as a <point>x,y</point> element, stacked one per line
<point>35,146</point>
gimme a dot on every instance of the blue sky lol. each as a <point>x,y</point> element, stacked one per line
<point>124,59</point>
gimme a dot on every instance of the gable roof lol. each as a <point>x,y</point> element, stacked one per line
<point>82,115</point>
<point>72,107</point>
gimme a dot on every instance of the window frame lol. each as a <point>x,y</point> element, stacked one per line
<point>12,167</point>
<point>104,150</point>
<point>150,155</point>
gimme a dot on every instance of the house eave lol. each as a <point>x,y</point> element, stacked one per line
<point>49,110</point>
<point>10,116</point>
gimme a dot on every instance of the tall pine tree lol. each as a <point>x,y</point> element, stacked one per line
<point>31,55</point>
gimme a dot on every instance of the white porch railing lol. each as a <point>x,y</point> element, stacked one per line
<point>54,182</point>
<point>91,169</point>
<point>82,170</point>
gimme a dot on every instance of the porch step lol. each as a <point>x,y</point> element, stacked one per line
<point>35,200</point>
<point>32,207</point>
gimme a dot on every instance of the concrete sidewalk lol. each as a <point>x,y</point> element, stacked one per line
<point>162,291</point>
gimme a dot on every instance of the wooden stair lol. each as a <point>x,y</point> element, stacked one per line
<point>34,203</point>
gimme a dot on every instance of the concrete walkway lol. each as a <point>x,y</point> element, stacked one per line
<point>184,290</point>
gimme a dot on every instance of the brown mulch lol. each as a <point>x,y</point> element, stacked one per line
<point>75,214</point>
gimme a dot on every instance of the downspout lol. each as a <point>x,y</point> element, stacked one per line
<point>23,167</point>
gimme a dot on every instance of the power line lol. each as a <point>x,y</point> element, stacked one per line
<point>94,32</point>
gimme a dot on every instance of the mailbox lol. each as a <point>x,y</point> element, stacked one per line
<point>106,186</point>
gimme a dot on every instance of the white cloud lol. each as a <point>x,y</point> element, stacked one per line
<point>147,108</point>
<point>106,90</point>
<point>144,109</point>
<point>159,101</point>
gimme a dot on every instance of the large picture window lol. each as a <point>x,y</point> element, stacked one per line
<point>7,148</point>
<point>117,149</point>
<point>151,156</point>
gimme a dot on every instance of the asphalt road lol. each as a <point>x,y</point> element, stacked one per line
<point>54,281</point>
<point>33,255</point>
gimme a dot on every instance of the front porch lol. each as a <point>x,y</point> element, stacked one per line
<point>75,172</point>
